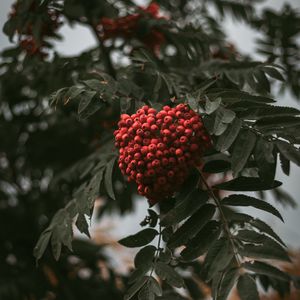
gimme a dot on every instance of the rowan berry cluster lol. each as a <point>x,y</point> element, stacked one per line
<point>28,41</point>
<point>158,149</point>
<point>130,27</point>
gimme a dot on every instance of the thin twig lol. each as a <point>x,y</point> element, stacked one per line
<point>106,58</point>
<point>157,251</point>
<point>223,219</point>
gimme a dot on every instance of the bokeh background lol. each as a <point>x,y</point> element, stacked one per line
<point>79,38</point>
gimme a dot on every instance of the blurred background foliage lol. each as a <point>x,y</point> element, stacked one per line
<point>49,155</point>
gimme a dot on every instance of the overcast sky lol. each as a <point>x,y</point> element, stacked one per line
<point>79,38</point>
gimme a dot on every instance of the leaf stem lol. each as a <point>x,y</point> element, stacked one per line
<point>157,251</point>
<point>106,58</point>
<point>223,219</point>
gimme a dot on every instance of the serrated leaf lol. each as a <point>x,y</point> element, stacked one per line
<point>262,268</point>
<point>242,150</point>
<point>211,106</point>
<point>135,287</point>
<point>153,217</point>
<point>192,226</point>
<point>93,188</point>
<point>86,98</point>
<point>247,289</point>
<point>146,293</point>
<point>218,257</point>
<point>108,178</point>
<point>144,257</point>
<point>257,223</point>
<point>265,160</point>
<point>227,282</point>
<point>82,224</point>
<point>273,72</point>
<point>137,274</point>
<point>62,232</point>
<point>228,137</point>
<point>216,166</point>
<point>223,117</point>
<point>268,123</point>
<point>247,184</point>
<point>268,250</point>
<point>165,272</point>
<point>165,256</point>
<point>202,241</point>
<point>155,287</point>
<point>243,200</point>
<point>42,244</point>
<point>285,164</point>
<point>185,208</point>
<point>289,152</point>
<point>139,239</point>
<point>257,113</point>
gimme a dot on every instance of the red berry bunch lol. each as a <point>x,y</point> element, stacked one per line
<point>158,149</point>
<point>128,27</point>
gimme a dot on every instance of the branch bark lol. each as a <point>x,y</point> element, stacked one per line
<point>105,53</point>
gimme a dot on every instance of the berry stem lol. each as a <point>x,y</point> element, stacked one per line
<point>106,57</point>
<point>223,219</point>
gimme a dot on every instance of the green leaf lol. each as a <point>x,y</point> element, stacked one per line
<point>136,287</point>
<point>202,241</point>
<point>62,232</point>
<point>165,272</point>
<point>265,160</point>
<point>153,217</point>
<point>268,123</point>
<point>42,244</point>
<point>210,106</point>
<point>144,257</point>
<point>273,72</point>
<point>223,117</point>
<point>247,289</point>
<point>257,223</point>
<point>146,292</point>
<point>165,256</point>
<point>218,257</point>
<point>228,137</point>
<point>139,239</point>
<point>93,188</point>
<point>216,166</point>
<point>289,152</point>
<point>243,200</point>
<point>247,184</point>
<point>262,268</point>
<point>185,208</point>
<point>108,178</point>
<point>285,164</point>
<point>82,224</point>
<point>155,287</point>
<point>227,282</point>
<point>137,274</point>
<point>90,106</point>
<point>268,250</point>
<point>242,150</point>
<point>192,226</point>
<point>86,98</point>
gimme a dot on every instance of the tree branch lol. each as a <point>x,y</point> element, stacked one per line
<point>105,53</point>
<point>223,219</point>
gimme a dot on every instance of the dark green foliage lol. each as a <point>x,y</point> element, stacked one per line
<point>57,153</point>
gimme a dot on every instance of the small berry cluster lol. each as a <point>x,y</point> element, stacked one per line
<point>129,27</point>
<point>158,149</point>
<point>50,24</point>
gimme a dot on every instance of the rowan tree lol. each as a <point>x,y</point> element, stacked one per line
<point>187,122</point>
